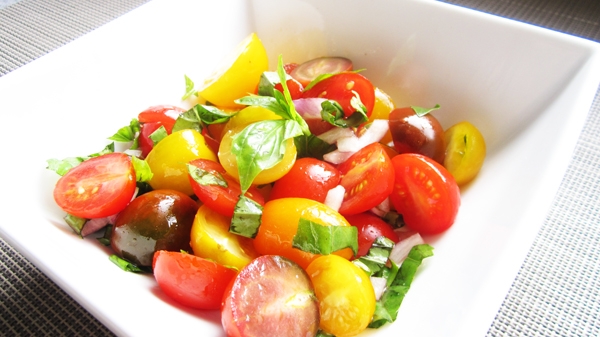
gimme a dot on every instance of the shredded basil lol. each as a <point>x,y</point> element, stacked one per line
<point>312,146</point>
<point>319,239</point>
<point>76,223</point>
<point>246,217</point>
<point>158,135</point>
<point>143,173</point>
<point>333,113</point>
<point>424,111</point>
<point>126,265</point>
<point>189,89</point>
<point>374,263</point>
<point>206,178</point>
<point>62,166</point>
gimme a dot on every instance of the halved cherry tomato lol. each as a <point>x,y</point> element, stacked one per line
<point>425,193</point>
<point>342,88</point>
<point>465,151</point>
<point>221,199</point>
<point>309,178</point>
<point>165,114</point>
<point>412,133</point>
<point>272,296</point>
<point>310,70</point>
<point>98,187</point>
<point>368,177</point>
<point>370,227</point>
<point>191,280</point>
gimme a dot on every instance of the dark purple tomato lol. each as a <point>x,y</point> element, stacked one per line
<point>412,133</point>
<point>157,220</point>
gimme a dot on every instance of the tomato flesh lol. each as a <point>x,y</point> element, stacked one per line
<point>98,187</point>
<point>425,193</point>
<point>368,177</point>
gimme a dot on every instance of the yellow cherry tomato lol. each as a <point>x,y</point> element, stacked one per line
<point>169,157</point>
<point>465,151</point>
<point>238,76</point>
<point>381,110</point>
<point>345,293</point>
<point>211,239</point>
<point>279,225</point>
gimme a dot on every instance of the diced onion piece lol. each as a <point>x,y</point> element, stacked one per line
<point>335,197</point>
<point>402,248</point>
<point>337,157</point>
<point>309,108</point>
<point>382,209</point>
<point>379,285</point>
<point>94,225</point>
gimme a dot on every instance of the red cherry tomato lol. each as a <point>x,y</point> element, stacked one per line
<point>166,114</point>
<point>191,280</point>
<point>271,296</point>
<point>218,198</point>
<point>368,177</point>
<point>310,70</point>
<point>341,88</point>
<point>98,187</point>
<point>309,178</point>
<point>425,193</point>
<point>294,87</point>
<point>370,227</point>
<point>146,144</point>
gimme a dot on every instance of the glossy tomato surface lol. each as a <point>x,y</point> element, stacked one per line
<point>98,187</point>
<point>222,196</point>
<point>272,296</point>
<point>164,114</point>
<point>342,88</point>
<point>412,133</point>
<point>308,71</point>
<point>370,227</point>
<point>309,178</point>
<point>368,177</point>
<point>425,193</point>
<point>280,223</point>
<point>465,151</point>
<point>157,220</point>
<point>191,280</point>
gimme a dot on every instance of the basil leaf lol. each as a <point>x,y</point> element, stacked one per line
<point>246,217</point>
<point>158,135</point>
<point>189,88</point>
<point>266,85</point>
<point>206,178</point>
<point>322,333</point>
<point>312,146</point>
<point>267,102</point>
<point>261,146</point>
<point>376,259</point>
<point>62,166</point>
<point>389,303</point>
<point>318,239</point>
<point>76,223</point>
<point>105,239</point>
<point>127,133</point>
<point>143,173</point>
<point>333,113</point>
<point>187,120</point>
<point>424,111</point>
<point>125,265</point>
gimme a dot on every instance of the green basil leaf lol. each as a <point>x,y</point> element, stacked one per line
<point>62,166</point>
<point>127,133</point>
<point>266,85</point>
<point>261,146</point>
<point>76,223</point>
<point>312,146</point>
<point>158,135</point>
<point>125,265</point>
<point>206,178</point>
<point>333,113</point>
<point>143,173</point>
<point>424,111</point>
<point>105,239</point>
<point>267,102</point>
<point>189,88</point>
<point>246,217</point>
<point>188,120</point>
<point>376,259</point>
<point>210,114</point>
<point>318,239</point>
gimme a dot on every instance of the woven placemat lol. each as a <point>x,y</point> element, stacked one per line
<point>556,292</point>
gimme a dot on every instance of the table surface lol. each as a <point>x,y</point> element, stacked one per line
<point>556,292</point>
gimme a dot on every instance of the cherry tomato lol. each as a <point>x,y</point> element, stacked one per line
<point>465,152</point>
<point>279,225</point>
<point>368,177</point>
<point>98,187</point>
<point>146,144</point>
<point>310,70</point>
<point>381,110</point>
<point>342,88</point>
<point>272,296</point>
<point>157,220</point>
<point>289,67</point>
<point>425,193</point>
<point>417,134</point>
<point>221,199</point>
<point>165,114</point>
<point>191,280</point>
<point>370,227</point>
<point>345,293</point>
<point>309,178</point>
<point>211,239</point>
<point>169,157</point>
<point>294,87</point>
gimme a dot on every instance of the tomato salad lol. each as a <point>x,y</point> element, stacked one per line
<point>293,201</point>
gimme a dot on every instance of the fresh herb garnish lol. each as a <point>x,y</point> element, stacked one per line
<point>158,135</point>
<point>126,265</point>
<point>424,111</point>
<point>143,173</point>
<point>76,223</point>
<point>246,217</point>
<point>374,263</point>
<point>318,239</point>
<point>206,178</point>
<point>189,89</point>
<point>198,115</point>
<point>333,113</point>
<point>312,146</point>
<point>62,166</point>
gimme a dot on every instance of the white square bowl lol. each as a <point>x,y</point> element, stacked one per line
<point>527,89</point>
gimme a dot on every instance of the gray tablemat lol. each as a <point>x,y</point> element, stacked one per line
<point>557,290</point>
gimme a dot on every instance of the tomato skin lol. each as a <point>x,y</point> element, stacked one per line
<point>221,199</point>
<point>341,88</point>
<point>165,114</point>
<point>98,187</point>
<point>417,134</point>
<point>425,193</point>
<point>309,178</point>
<point>157,220</point>
<point>370,227</point>
<point>280,223</point>
<point>294,87</point>
<point>191,280</point>
<point>368,177</point>
<point>271,296</point>
<point>311,69</point>
<point>345,293</point>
